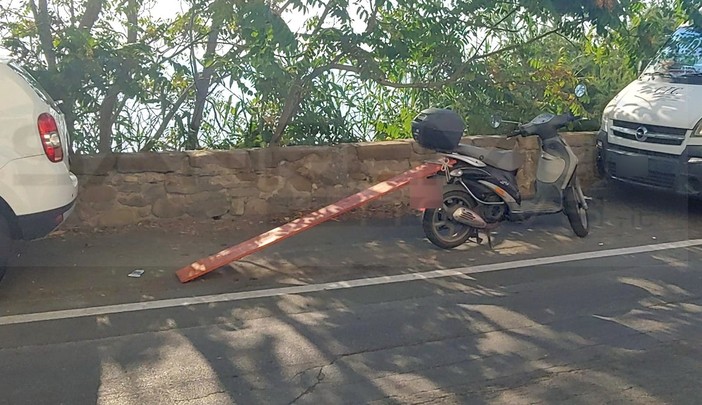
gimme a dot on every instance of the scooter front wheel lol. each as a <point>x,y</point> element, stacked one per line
<point>443,231</point>
<point>575,210</point>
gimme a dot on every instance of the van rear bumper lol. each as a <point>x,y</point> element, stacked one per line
<point>681,174</point>
<point>39,225</point>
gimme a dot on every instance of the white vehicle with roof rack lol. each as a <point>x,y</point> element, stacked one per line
<point>651,132</point>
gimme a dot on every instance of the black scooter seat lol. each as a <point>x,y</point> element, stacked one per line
<point>507,160</point>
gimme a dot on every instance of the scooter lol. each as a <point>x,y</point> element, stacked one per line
<point>481,191</point>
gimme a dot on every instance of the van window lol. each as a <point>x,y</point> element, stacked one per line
<point>33,83</point>
<point>680,57</point>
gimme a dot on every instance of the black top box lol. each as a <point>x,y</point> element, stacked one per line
<point>438,129</point>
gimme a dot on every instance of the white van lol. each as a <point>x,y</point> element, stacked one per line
<point>651,132</point>
<point>37,188</point>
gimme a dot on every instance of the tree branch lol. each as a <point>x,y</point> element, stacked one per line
<point>515,46</point>
<point>453,79</point>
<point>372,19</point>
<point>325,13</point>
<point>148,146</point>
<point>280,10</point>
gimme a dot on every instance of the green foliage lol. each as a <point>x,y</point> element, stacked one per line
<point>354,70</point>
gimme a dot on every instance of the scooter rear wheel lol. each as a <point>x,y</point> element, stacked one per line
<point>443,231</point>
<point>575,210</point>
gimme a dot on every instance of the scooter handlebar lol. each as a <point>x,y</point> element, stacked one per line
<point>515,133</point>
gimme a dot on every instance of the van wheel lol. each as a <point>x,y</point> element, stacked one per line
<point>5,245</point>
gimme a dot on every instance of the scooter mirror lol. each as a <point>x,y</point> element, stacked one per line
<point>495,121</point>
<point>580,90</point>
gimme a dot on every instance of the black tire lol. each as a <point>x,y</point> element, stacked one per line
<point>435,219</point>
<point>6,245</point>
<point>575,211</point>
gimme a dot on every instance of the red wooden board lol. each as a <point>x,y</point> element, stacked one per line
<point>232,254</point>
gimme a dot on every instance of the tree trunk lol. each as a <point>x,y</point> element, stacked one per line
<point>202,85</point>
<point>108,110</point>
<point>133,7</point>
<point>43,21</point>
<point>292,103</point>
<point>70,116</point>
<point>93,8</point>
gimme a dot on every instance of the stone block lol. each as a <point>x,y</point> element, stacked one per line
<point>122,216</point>
<point>88,180</point>
<point>328,170</point>
<point>257,207</point>
<point>269,184</point>
<point>98,193</point>
<point>359,177</point>
<point>346,153</point>
<point>95,165</point>
<point>125,180</point>
<point>147,195</point>
<point>166,162</point>
<point>393,150</point>
<point>169,207</point>
<point>152,192</point>
<point>299,183</point>
<point>227,181</point>
<point>176,184</point>
<point>530,143</point>
<point>127,188</point>
<point>207,205</point>
<point>229,159</point>
<point>313,166</point>
<point>295,153</point>
<point>578,139</point>
<point>247,176</point>
<point>87,215</point>
<point>243,192</point>
<point>133,200</point>
<point>262,159</point>
<point>500,142</point>
<point>238,207</point>
<point>383,170</point>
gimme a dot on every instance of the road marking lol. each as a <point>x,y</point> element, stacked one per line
<point>338,285</point>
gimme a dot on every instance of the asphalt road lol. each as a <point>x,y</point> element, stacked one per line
<point>365,312</point>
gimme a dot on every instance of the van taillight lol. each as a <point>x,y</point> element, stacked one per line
<point>50,139</point>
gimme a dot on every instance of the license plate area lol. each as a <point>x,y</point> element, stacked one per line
<point>427,193</point>
<point>633,166</point>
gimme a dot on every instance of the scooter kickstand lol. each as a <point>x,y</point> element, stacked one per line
<point>489,239</point>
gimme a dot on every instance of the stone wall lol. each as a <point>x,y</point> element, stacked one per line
<point>126,189</point>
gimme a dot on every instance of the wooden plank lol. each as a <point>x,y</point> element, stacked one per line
<point>253,245</point>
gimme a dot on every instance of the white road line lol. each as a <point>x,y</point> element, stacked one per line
<point>340,285</point>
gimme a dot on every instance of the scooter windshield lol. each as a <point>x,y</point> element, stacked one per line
<point>680,59</point>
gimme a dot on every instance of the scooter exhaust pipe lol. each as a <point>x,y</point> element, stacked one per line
<point>469,217</point>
